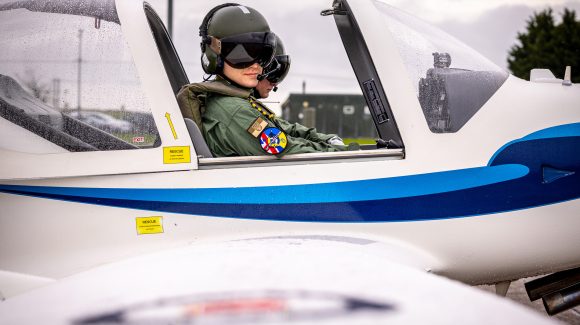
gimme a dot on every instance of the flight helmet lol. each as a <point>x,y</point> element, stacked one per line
<point>235,34</point>
<point>278,69</point>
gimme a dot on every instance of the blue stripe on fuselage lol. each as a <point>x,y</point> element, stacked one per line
<point>363,190</point>
<point>512,180</point>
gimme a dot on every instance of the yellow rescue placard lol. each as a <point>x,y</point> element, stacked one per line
<point>149,225</point>
<point>176,155</point>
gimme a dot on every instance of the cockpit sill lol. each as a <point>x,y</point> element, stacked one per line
<point>310,158</point>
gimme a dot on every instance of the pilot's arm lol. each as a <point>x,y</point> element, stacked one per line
<point>242,136</point>
<point>301,131</point>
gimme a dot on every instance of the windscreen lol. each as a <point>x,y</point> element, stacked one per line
<point>452,81</point>
<point>67,75</point>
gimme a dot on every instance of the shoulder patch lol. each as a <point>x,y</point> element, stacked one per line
<point>273,141</point>
<point>257,127</point>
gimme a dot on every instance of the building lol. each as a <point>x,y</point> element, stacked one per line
<point>345,115</point>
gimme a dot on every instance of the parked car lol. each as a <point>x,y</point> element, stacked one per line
<point>103,121</point>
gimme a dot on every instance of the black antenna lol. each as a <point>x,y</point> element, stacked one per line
<point>170,17</point>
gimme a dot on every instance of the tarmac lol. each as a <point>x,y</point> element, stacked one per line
<point>517,292</point>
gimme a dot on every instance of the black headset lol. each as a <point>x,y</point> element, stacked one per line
<point>210,64</point>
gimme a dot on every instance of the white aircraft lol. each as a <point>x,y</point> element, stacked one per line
<point>476,179</point>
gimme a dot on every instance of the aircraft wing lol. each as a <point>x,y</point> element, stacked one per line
<point>306,279</point>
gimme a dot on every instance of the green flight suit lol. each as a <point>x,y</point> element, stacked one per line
<point>228,118</point>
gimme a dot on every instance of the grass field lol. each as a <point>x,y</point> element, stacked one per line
<point>359,140</point>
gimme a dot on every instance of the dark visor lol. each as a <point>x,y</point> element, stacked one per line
<point>243,50</point>
<point>278,69</point>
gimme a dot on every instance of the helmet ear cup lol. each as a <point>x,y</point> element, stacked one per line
<point>209,61</point>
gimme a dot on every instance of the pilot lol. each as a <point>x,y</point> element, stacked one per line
<point>274,73</point>
<point>236,44</point>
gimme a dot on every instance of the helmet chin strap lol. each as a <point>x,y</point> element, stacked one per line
<point>230,81</point>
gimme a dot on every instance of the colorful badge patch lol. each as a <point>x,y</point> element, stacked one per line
<point>273,141</point>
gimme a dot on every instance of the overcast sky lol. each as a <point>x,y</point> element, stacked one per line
<point>317,54</point>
